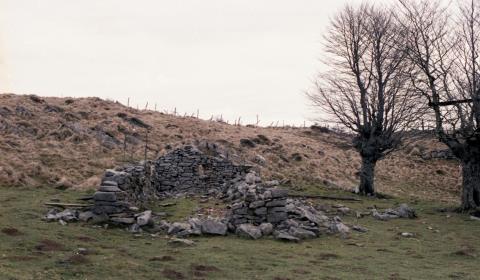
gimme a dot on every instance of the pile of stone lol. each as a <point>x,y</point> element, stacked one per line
<point>255,208</point>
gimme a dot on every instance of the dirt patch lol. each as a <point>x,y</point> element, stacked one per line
<point>86,239</point>
<point>281,278</point>
<point>300,271</point>
<point>466,252</point>
<point>327,256</point>
<point>19,258</point>
<point>49,245</point>
<point>77,260</point>
<point>172,274</point>
<point>204,268</point>
<point>11,231</point>
<point>162,259</point>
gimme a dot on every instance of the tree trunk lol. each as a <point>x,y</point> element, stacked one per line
<point>367,174</point>
<point>471,184</point>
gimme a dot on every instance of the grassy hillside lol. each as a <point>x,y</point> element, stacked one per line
<point>68,142</point>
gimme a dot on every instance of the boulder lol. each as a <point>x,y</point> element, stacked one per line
<point>214,227</point>
<point>249,231</point>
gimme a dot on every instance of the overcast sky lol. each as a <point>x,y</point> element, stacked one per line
<point>229,57</point>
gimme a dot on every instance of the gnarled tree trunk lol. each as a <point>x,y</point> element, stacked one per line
<point>367,175</point>
<point>471,184</point>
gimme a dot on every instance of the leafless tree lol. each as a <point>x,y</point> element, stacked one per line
<point>443,43</point>
<point>366,88</point>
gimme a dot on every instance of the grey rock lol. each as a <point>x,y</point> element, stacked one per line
<point>279,193</point>
<point>359,228</point>
<point>281,235</point>
<point>262,211</point>
<point>86,216</point>
<point>249,231</point>
<point>110,183</point>
<point>105,196</point>
<point>340,228</point>
<point>181,242</point>
<point>277,203</point>
<point>109,189</point>
<point>301,233</point>
<point>134,228</point>
<point>405,211</point>
<point>266,228</point>
<point>177,227</point>
<point>277,209</point>
<point>196,225</point>
<point>257,204</point>
<point>214,227</point>
<point>144,218</point>
<point>276,217</point>
<point>121,220</point>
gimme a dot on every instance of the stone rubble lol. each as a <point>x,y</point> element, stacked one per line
<point>255,208</point>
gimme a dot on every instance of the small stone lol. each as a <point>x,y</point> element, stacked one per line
<point>86,216</point>
<point>359,228</point>
<point>134,228</point>
<point>343,210</point>
<point>341,228</point>
<point>181,241</point>
<point>266,228</point>
<point>407,234</point>
<point>62,222</point>
<point>144,218</point>
<point>249,231</point>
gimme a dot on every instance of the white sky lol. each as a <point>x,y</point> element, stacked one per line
<point>229,57</point>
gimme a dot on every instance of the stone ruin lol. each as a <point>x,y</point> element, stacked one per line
<point>254,208</point>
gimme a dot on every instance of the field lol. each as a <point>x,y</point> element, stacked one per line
<point>444,246</point>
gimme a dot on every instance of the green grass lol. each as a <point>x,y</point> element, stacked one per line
<point>450,253</point>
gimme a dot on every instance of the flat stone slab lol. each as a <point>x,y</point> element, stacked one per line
<point>109,183</point>
<point>105,196</point>
<point>106,188</point>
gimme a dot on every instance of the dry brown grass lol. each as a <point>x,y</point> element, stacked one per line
<point>61,142</point>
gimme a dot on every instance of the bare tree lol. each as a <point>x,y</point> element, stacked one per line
<point>366,87</point>
<point>445,47</point>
